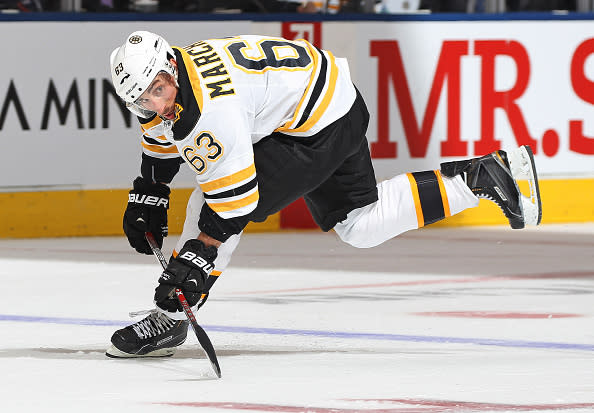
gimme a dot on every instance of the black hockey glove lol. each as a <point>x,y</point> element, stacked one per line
<point>146,211</point>
<point>187,271</point>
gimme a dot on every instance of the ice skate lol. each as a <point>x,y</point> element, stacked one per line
<point>495,177</point>
<point>156,335</point>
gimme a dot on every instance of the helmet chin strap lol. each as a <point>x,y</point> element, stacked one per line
<point>175,78</point>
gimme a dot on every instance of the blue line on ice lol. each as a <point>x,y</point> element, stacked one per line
<point>318,333</point>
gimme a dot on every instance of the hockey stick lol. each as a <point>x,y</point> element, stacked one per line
<point>201,335</point>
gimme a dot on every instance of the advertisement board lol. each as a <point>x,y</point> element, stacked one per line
<point>436,90</point>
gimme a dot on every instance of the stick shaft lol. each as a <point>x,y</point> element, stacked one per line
<point>201,335</point>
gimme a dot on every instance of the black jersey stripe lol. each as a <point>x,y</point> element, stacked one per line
<point>155,141</point>
<point>146,121</point>
<point>317,90</point>
<point>234,192</point>
<point>186,99</point>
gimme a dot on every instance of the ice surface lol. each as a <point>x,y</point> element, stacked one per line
<point>436,320</point>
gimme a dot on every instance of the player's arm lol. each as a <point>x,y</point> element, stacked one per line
<point>160,158</point>
<point>208,240</point>
<point>148,200</point>
<point>223,157</point>
<point>230,190</point>
<point>230,194</point>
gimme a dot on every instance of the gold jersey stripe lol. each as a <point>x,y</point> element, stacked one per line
<point>417,200</point>
<point>233,205</point>
<point>160,149</point>
<point>229,179</point>
<point>151,124</point>
<point>444,195</point>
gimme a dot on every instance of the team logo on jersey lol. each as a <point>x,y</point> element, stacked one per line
<point>178,110</point>
<point>135,39</point>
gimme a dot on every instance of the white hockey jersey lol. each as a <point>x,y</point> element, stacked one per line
<point>234,92</point>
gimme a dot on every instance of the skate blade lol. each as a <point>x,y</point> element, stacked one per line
<point>521,161</point>
<point>113,352</point>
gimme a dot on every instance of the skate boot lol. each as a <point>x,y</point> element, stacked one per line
<point>154,336</point>
<point>495,177</point>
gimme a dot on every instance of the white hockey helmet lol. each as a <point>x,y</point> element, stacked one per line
<point>136,63</point>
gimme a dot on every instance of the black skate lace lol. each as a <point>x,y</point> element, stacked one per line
<point>154,324</point>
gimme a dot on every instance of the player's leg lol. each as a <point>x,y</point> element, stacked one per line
<point>160,332</point>
<point>365,213</point>
<point>405,202</point>
<point>413,200</point>
<point>365,216</point>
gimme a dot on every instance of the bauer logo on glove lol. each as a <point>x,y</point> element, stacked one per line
<point>148,200</point>
<point>146,211</point>
<point>198,261</point>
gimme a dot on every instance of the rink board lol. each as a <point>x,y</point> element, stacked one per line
<point>99,212</point>
<point>437,89</point>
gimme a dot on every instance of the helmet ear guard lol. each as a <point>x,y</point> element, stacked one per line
<point>136,63</point>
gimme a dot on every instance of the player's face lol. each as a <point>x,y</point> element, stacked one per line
<point>160,96</point>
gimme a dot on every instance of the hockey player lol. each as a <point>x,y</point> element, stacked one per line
<point>262,122</point>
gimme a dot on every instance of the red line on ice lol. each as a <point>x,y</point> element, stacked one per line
<point>297,409</point>
<point>429,406</point>
<point>475,406</point>
<point>495,314</point>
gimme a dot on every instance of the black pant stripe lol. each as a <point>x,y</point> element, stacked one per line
<point>430,196</point>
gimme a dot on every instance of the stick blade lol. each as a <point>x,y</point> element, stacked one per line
<point>209,350</point>
<point>201,335</point>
